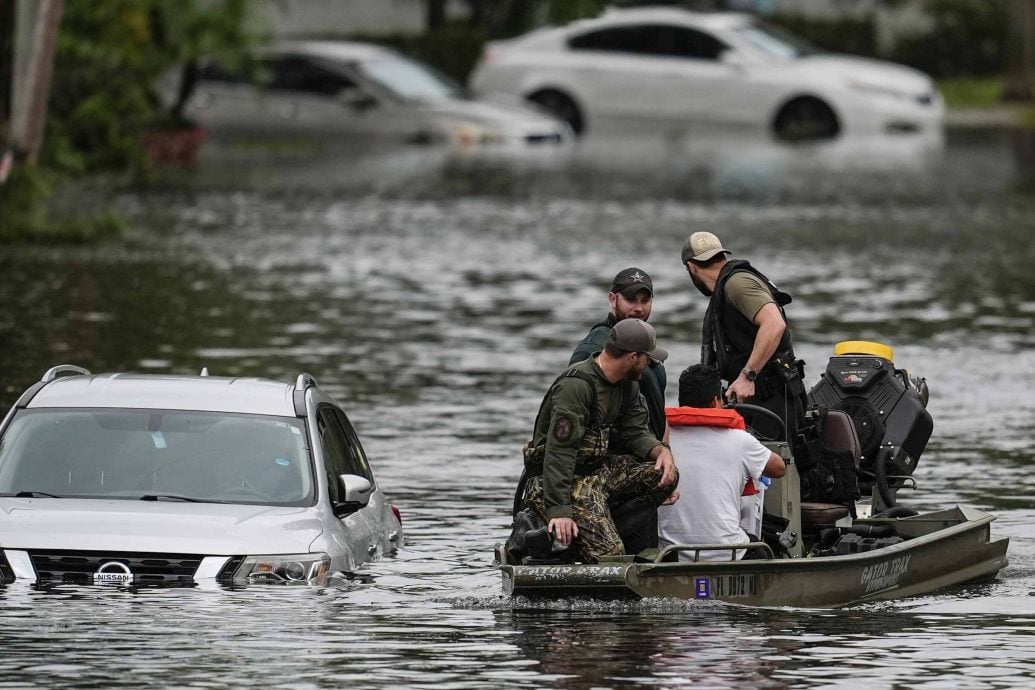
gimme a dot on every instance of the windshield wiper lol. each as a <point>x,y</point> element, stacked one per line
<point>169,497</point>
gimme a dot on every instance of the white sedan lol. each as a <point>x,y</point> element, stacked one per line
<point>665,69</point>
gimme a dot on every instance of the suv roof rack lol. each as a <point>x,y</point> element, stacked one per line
<point>303,382</point>
<point>60,369</point>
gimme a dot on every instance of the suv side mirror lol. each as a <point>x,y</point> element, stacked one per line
<point>356,491</point>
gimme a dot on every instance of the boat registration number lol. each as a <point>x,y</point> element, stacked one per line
<point>726,587</point>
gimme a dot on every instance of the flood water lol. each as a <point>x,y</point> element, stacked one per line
<point>436,298</point>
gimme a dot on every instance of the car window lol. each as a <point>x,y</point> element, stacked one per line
<point>775,41</point>
<point>409,79</point>
<point>335,450</point>
<point>652,39</point>
<point>133,454</point>
<point>355,456</point>
<point>298,73</point>
<point>343,453</point>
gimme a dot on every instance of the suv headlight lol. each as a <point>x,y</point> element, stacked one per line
<point>299,567</point>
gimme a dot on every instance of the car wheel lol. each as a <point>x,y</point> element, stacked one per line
<point>561,106</point>
<point>805,119</point>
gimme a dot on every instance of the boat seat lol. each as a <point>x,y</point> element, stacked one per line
<point>838,433</point>
<point>816,516</point>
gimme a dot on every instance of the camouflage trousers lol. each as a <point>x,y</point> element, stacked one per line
<point>620,478</point>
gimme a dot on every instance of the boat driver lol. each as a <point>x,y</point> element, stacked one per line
<point>573,473</point>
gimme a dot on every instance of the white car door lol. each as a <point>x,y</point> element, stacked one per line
<point>663,75</point>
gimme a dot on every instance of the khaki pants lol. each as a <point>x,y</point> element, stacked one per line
<point>620,478</point>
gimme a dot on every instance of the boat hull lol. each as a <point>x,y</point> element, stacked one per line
<point>941,549</point>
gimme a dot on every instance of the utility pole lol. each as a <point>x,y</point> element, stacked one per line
<point>1021,51</point>
<point>34,63</point>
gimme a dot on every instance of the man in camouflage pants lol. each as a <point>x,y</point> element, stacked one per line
<point>573,471</point>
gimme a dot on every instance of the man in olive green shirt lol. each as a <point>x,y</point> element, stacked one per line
<point>573,474</point>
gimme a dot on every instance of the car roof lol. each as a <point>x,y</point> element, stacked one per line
<point>169,392</point>
<point>335,50</point>
<point>668,15</point>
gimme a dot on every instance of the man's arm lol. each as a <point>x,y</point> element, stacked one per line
<point>775,467</point>
<point>569,415</point>
<point>771,326</point>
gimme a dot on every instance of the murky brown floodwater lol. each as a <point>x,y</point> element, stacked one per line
<point>437,299</point>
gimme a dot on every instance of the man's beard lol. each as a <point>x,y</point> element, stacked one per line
<point>700,286</point>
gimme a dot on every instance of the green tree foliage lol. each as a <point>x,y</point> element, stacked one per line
<point>968,38</point>
<point>109,56</point>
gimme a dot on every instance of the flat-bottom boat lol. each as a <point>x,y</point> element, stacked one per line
<point>937,550</point>
<point>827,555</point>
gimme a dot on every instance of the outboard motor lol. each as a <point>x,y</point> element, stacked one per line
<point>888,407</point>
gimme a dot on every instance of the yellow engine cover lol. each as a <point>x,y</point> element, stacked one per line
<point>865,347</point>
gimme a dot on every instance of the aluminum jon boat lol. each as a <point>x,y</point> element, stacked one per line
<point>815,552</point>
<point>939,549</point>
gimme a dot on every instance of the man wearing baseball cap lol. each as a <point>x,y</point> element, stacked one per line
<point>745,334</point>
<point>632,297</point>
<point>573,470</point>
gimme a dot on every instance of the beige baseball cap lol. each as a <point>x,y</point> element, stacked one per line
<point>701,246</point>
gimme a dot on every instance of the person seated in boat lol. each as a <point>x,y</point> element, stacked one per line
<point>632,297</point>
<point>573,470</point>
<point>715,456</point>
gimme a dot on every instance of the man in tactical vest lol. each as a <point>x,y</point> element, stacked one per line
<point>745,334</point>
<point>574,470</point>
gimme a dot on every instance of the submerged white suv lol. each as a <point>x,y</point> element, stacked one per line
<point>139,479</point>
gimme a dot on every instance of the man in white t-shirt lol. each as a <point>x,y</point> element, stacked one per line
<point>715,456</point>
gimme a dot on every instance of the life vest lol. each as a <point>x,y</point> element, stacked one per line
<point>721,417</point>
<point>704,416</point>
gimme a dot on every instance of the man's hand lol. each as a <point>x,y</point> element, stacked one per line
<point>564,529</point>
<point>667,464</point>
<point>672,498</point>
<point>741,390</point>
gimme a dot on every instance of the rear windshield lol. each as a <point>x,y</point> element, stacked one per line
<point>157,455</point>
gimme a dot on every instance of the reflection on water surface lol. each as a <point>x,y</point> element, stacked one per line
<point>437,299</point>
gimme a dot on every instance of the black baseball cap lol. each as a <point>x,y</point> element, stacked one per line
<point>629,281</point>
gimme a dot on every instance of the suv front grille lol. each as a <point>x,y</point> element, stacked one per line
<point>78,567</point>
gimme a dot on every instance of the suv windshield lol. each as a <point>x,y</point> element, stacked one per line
<point>409,79</point>
<point>156,455</point>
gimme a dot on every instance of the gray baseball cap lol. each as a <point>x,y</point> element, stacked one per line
<point>633,335</point>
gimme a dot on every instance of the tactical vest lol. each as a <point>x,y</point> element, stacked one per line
<point>728,336</point>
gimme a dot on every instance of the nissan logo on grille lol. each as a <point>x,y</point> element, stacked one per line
<point>113,572</point>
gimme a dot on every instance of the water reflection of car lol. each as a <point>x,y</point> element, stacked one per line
<point>175,480</point>
<point>669,68</point>
<point>357,93</point>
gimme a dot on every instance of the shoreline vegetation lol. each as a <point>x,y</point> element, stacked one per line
<point>977,102</point>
